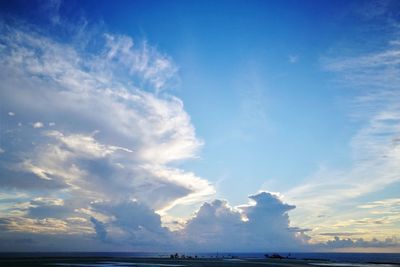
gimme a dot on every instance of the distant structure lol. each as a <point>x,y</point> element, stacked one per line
<point>274,256</point>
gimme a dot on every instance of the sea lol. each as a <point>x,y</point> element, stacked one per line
<point>324,259</point>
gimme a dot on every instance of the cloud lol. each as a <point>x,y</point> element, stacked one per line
<point>116,135</point>
<point>100,229</point>
<point>390,203</point>
<point>132,223</point>
<point>261,225</point>
<point>337,192</point>
<point>109,169</point>
<point>52,9</point>
<point>340,234</point>
<point>361,243</point>
<point>215,226</point>
<point>39,241</point>
<point>145,62</point>
<point>37,124</point>
<point>22,224</point>
<point>109,135</point>
<point>258,226</point>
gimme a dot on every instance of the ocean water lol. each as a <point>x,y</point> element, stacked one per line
<point>352,257</point>
<point>117,264</point>
<point>333,259</point>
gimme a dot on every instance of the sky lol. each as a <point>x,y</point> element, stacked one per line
<point>236,126</point>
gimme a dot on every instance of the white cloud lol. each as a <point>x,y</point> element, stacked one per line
<point>11,113</point>
<point>261,225</point>
<point>85,145</point>
<point>47,225</point>
<point>152,66</point>
<point>375,149</point>
<point>110,166</point>
<point>37,124</point>
<point>382,204</point>
<point>110,140</point>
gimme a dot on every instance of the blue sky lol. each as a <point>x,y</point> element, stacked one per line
<point>160,106</point>
<point>236,58</point>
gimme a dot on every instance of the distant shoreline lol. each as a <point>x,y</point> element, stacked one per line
<point>89,259</point>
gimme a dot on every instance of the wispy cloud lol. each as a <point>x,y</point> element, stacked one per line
<point>375,150</point>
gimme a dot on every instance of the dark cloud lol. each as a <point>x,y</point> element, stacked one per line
<point>28,242</point>
<point>100,229</point>
<point>48,211</point>
<point>53,208</point>
<point>131,215</point>
<point>131,222</point>
<point>28,181</point>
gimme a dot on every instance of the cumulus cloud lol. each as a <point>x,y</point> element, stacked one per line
<point>110,134</point>
<point>107,172</point>
<point>131,223</point>
<point>110,140</point>
<point>258,226</point>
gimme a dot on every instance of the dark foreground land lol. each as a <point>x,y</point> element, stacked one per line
<point>146,262</point>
